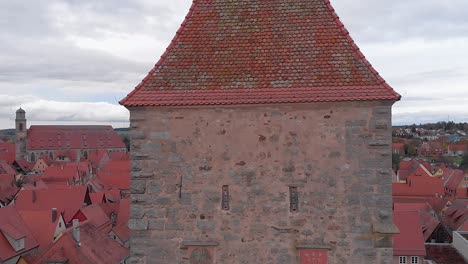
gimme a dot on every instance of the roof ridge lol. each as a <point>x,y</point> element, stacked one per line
<point>164,56</point>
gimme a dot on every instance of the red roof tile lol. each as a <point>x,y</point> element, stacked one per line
<point>6,168</point>
<point>444,254</point>
<point>68,200</point>
<point>61,173</point>
<point>456,214</point>
<point>12,223</point>
<point>124,211</point>
<point>8,187</point>
<point>7,152</point>
<point>410,241</point>
<point>116,174</point>
<point>96,216</point>
<point>41,225</point>
<point>72,137</point>
<point>260,52</point>
<point>97,198</point>
<point>419,186</point>
<point>427,216</point>
<point>95,247</point>
<point>452,180</point>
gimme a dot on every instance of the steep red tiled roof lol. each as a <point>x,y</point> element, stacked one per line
<point>259,52</point>
<point>61,173</point>
<point>95,247</point>
<point>7,152</point>
<point>8,187</point>
<point>41,225</point>
<point>122,231</point>
<point>419,186</point>
<point>11,222</point>
<point>116,174</point>
<point>427,216</point>
<point>452,180</point>
<point>6,168</point>
<point>24,165</point>
<point>124,211</point>
<point>72,137</point>
<point>456,214</point>
<point>96,216</point>
<point>67,200</point>
<point>97,198</point>
<point>410,241</point>
<point>444,254</point>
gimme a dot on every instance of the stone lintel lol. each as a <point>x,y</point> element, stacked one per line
<point>187,244</point>
<point>385,228</point>
<point>313,246</point>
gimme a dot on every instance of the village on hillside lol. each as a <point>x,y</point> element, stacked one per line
<point>64,191</point>
<point>430,191</point>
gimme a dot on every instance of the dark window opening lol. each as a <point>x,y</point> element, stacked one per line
<point>293,199</point>
<point>225,200</point>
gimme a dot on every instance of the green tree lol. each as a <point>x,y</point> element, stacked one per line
<point>396,161</point>
<point>464,163</point>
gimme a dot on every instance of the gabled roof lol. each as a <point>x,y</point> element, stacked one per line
<point>41,225</point>
<point>260,52</point>
<point>12,223</point>
<point>6,168</point>
<point>118,155</point>
<point>427,216</point>
<point>410,241</point>
<point>456,214</point>
<point>8,187</point>
<point>72,137</point>
<point>452,180</point>
<point>116,174</point>
<point>61,173</point>
<point>67,200</point>
<point>96,216</point>
<point>95,247</point>
<point>7,152</point>
<point>419,186</point>
<point>24,165</point>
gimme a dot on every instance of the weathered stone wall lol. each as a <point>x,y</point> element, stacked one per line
<point>338,155</point>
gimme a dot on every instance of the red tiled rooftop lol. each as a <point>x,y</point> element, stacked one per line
<point>260,52</point>
<point>41,225</point>
<point>116,174</point>
<point>8,187</point>
<point>95,215</point>
<point>419,186</point>
<point>427,216</point>
<point>444,254</point>
<point>68,200</point>
<point>72,137</point>
<point>13,224</point>
<point>7,152</point>
<point>410,241</point>
<point>95,247</point>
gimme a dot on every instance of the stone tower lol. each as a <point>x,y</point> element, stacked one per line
<point>21,132</point>
<point>262,135</point>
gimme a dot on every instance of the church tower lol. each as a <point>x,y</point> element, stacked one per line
<point>21,132</point>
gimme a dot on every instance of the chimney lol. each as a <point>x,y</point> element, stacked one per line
<point>76,231</point>
<point>54,215</point>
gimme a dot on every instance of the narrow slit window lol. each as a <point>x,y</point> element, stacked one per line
<point>225,200</point>
<point>293,199</point>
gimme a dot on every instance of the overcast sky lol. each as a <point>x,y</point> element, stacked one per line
<point>73,60</point>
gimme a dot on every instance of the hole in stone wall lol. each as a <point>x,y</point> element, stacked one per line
<point>293,199</point>
<point>225,198</point>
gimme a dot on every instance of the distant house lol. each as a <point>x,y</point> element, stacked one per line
<point>15,237</point>
<point>63,143</point>
<point>419,186</point>
<point>67,200</point>
<point>7,152</point>
<point>431,148</point>
<point>42,163</point>
<point>45,225</point>
<point>398,148</point>
<point>457,149</point>
<point>408,245</point>
<point>81,244</point>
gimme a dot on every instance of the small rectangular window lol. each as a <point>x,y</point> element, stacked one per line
<point>293,199</point>
<point>402,260</point>
<point>225,199</point>
<point>414,260</point>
